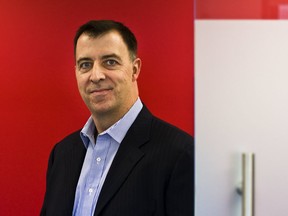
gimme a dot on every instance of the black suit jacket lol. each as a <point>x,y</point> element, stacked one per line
<point>152,173</point>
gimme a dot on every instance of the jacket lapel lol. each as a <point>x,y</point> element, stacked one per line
<point>127,157</point>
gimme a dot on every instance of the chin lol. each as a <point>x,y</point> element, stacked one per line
<point>102,109</point>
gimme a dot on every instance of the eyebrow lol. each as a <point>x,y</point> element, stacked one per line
<point>113,55</point>
<point>83,59</point>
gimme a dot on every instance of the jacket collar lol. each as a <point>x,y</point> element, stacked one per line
<point>128,155</point>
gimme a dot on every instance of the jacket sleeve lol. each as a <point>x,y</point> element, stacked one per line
<point>180,192</point>
<point>50,164</point>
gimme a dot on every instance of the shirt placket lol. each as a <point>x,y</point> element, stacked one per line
<point>95,174</point>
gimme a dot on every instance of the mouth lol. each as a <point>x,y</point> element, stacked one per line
<point>102,91</point>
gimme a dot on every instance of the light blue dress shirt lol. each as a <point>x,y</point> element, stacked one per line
<point>98,159</point>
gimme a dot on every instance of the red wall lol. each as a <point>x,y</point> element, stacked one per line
<point>39,97</point>
<point>240,9</point>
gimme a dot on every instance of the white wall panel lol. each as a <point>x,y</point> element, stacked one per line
<point>241,94</point>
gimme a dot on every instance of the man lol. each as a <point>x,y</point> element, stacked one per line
<point>125,161</point>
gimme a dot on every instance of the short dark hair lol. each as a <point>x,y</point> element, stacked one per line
<point>96,28</point>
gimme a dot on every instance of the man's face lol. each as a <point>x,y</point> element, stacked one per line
<point>106,75</point>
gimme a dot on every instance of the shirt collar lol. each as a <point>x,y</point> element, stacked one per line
<point>117,131</point>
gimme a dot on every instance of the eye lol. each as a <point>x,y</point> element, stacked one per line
<point>85,66</point>
<point>110,62</point>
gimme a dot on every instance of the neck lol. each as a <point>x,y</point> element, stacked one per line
<point>103,121</point>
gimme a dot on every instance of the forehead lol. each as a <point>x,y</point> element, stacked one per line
<point>110,42</point>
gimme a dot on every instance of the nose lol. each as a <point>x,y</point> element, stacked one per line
<point>97,73</point>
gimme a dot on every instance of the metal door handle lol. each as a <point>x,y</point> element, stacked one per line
<point>247,188</point>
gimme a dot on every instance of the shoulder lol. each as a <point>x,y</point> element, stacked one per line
<point>163,131</point>
<point>68,151</point>
<point>170,134</point>
<point>72,137</point>
<point>71,142</point>
<point>171,147</point>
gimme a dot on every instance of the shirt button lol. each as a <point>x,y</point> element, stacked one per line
<point>98,160</point>
<point>90,191</point>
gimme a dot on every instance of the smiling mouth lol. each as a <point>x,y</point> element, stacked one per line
<point>100,91</point>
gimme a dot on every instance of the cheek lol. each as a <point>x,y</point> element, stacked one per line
<point>81,82</point>
<point>123,85</point>
<point>125,76</point>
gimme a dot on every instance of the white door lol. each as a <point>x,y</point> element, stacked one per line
<point>241,93</point>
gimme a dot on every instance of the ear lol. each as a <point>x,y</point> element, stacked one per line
<point>136,69</point>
